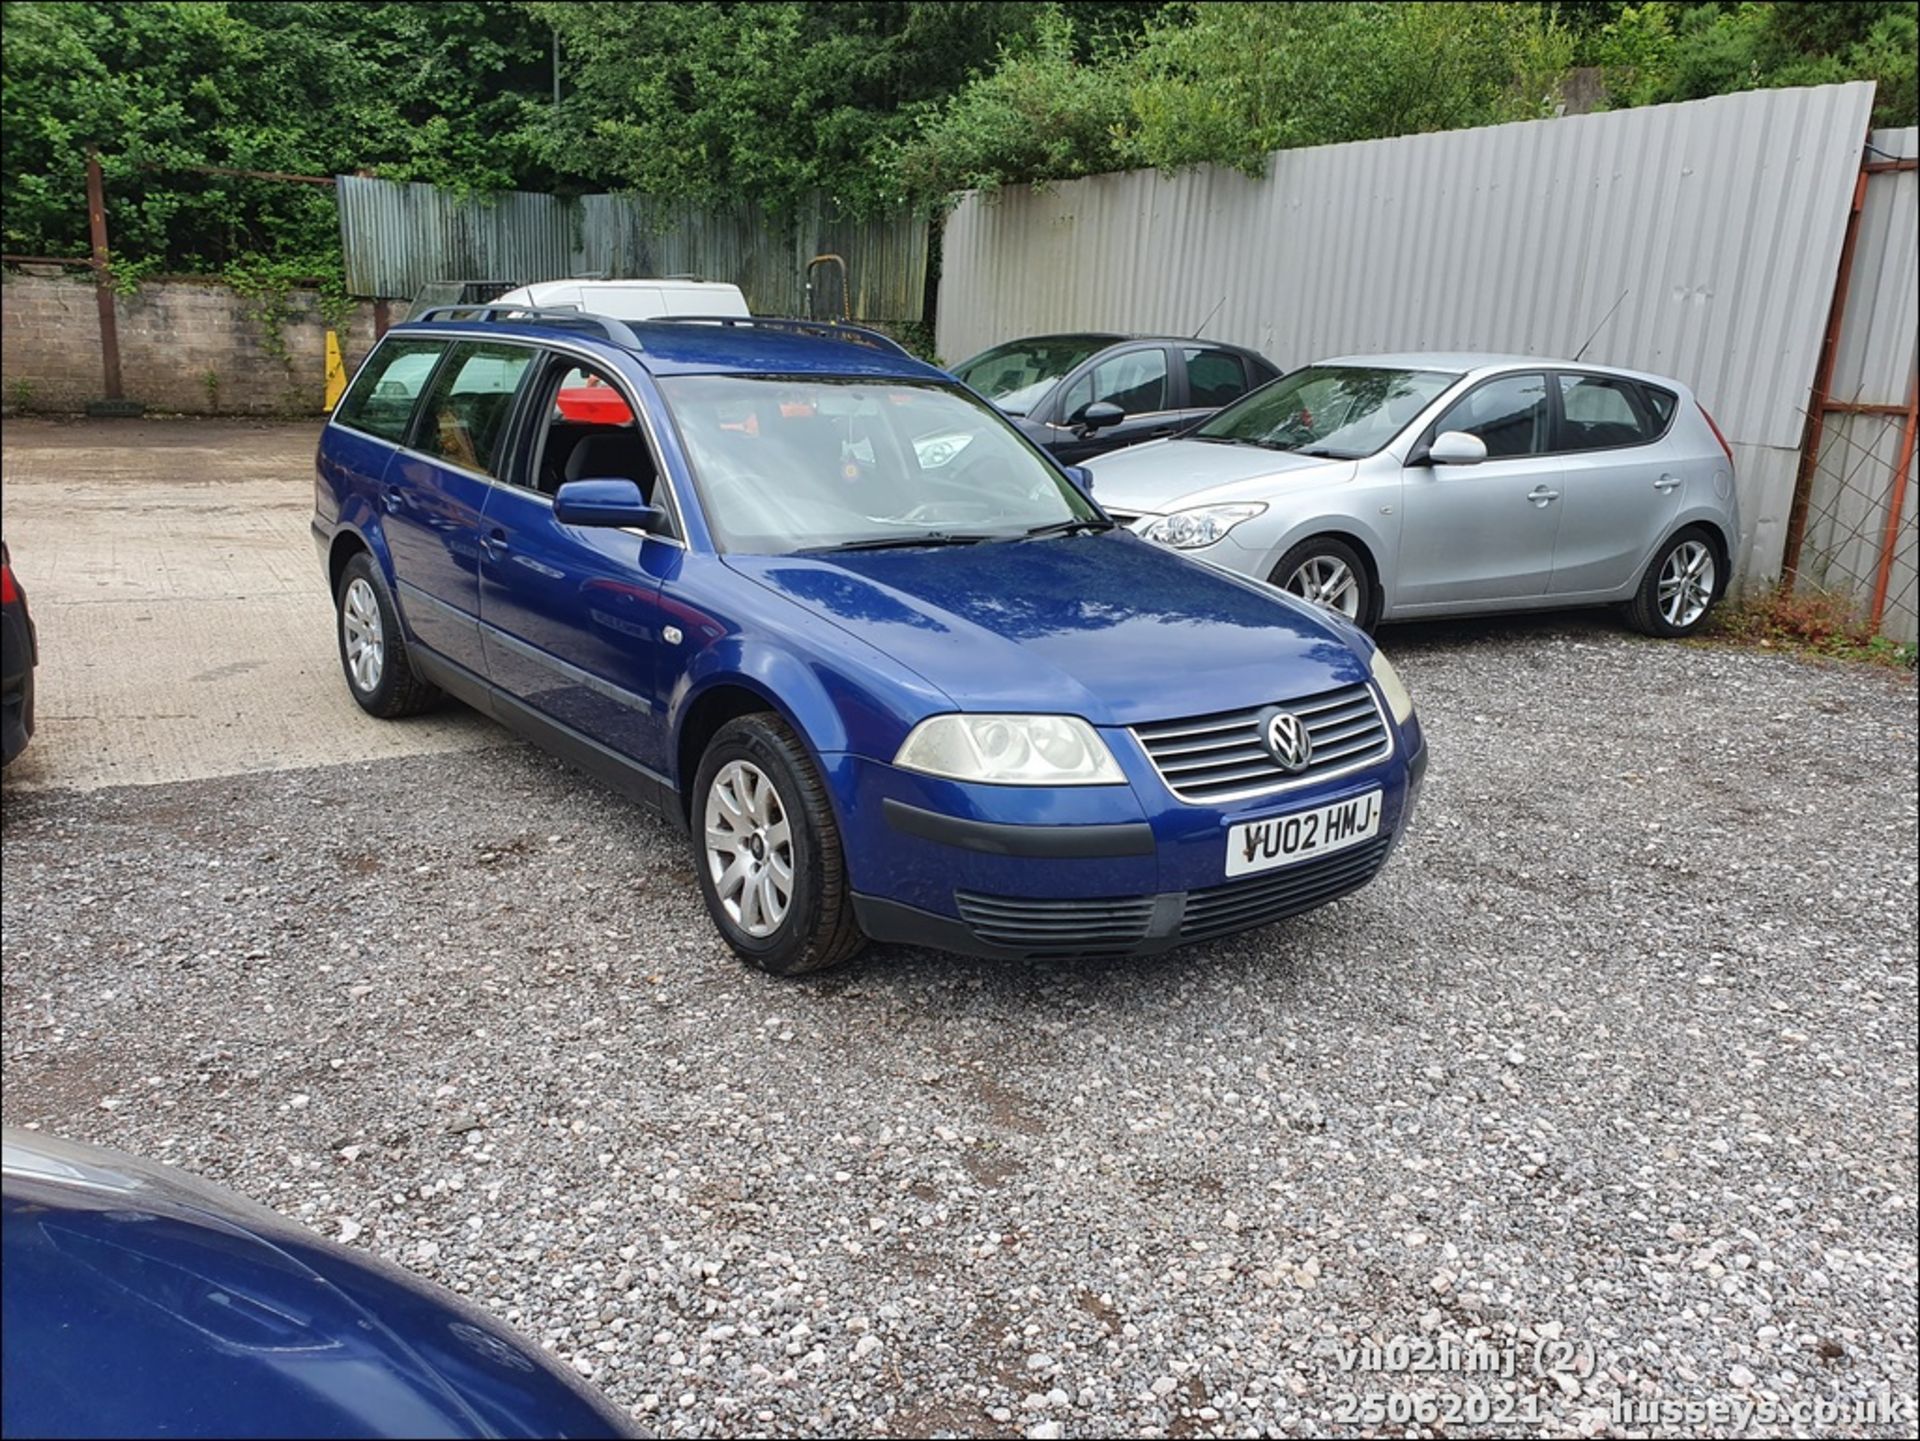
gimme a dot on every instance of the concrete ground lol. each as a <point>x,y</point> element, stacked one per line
<point>1610,1076</point>
<point>185,626</point>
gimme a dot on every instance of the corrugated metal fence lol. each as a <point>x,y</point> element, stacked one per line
<point>1863,454</point>
<point>398,237</point>
<point>1720,221</point>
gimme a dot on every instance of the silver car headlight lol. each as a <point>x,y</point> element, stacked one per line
<point>1388,679</point>
<point>1021,750</point>
<point>934,451</point>
<point>1203,525</point>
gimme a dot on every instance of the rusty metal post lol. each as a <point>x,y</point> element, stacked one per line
<point>103,275</point>
<point>1896,507</point>
<point>380,316</point>
<point>1817,405</point>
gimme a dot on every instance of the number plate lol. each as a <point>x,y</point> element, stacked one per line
<point>1283,840</point>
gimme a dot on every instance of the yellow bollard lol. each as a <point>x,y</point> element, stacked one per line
<point>336,371</point>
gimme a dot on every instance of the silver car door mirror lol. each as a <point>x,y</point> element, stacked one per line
<point>1456,447</point>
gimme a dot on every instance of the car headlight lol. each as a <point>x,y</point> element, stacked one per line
<point>1022,750</point>
<point>1388,679</point>
<point>934,451</point>
<point>1203,525</point>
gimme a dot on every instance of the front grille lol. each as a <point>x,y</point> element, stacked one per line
<point>1257,900</point>
<point>1125,517</point>
<point>1223,756</point>
<point>1062,928</point>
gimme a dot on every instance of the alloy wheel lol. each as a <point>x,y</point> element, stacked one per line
<point>1329,581</point>
<point>1686,584</point>
<point>749,844</point>
<point>364,635</point>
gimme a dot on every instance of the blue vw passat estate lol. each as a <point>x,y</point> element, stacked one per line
<point>886,661</point>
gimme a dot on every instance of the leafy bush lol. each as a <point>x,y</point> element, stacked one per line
<point>1816,622</point>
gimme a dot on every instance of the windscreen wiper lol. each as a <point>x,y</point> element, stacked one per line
<point>902,542</point>
<point>1091,524</point>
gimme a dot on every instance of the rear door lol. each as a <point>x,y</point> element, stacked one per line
<point>572,615</point>
<point>435,489</point>
<point>372,418</point>
<point>1623,477</point>
<point>1214,377</point>
<point>1139,379</point>
<point>1474,535</point>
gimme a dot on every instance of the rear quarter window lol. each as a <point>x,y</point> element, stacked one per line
<point>381,399</point>
<point>1662,403</point>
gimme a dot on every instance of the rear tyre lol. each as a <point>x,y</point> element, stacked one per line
<point>1680,587</point>
<point>373,650</point>
<point>1330,573</point>
<point>768,851</point>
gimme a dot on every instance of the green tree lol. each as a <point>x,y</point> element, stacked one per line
<point>1659,52</point>
<point>1048,110</point>
<point>448,93</point>
<point>713,101</point>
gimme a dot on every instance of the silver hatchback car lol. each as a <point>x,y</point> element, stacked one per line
<point>1394,487</point>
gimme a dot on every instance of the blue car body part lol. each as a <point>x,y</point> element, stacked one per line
<point>143,1302</point>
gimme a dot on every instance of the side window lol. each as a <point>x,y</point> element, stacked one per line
<point>1136,382</point>
<point>1662,403</point>
<point>589,432</point>
<point>1598,412</point>
<point>465,420</point>
<point>383,393</point>
<point>1508,413</point>
<point>1214,377</point>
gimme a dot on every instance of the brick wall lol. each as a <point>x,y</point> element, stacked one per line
<point>190,346</point>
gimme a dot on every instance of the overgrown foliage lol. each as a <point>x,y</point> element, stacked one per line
<point>440,92</point>
<point>875,104</point>
<point>1807,622</point>
<point>1659,51</point>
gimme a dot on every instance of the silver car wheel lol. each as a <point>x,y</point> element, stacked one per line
<point>363,634</point>
<point>749,848</point>
<point>1328,581</point>
<point>1686,584</point>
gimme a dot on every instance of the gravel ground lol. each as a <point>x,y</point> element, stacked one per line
<point>1616,1063</point>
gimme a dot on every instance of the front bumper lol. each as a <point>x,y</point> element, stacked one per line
<point>1090,871</point>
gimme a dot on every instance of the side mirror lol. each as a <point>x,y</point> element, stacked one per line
<point>1081,477</point>
<point>1456,447</point>
<point>616,503</point>
<point>1100,415</point>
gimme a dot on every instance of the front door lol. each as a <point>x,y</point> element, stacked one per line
<point>1483,534</point>
<point>1139,381</point>
<point>571,615</point>
<point>433,495</point>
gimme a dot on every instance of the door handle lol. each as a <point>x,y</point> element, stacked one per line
<point>1666,483</point>
<point>495,544</point>
<point>392,500</point>
<point>1541,496</point>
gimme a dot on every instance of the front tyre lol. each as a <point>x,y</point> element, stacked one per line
<point>1330,573</point>
<point>373,651</point>
<point>768,851</point>
<point>1679,588</point>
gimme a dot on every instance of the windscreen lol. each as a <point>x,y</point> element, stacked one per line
<point>786,464</point>
<point>1338,411</point>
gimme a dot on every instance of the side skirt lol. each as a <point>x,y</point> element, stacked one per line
<point>629,778</point>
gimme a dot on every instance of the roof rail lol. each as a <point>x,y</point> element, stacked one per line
<point>560,317</point>
<point>825,329</point>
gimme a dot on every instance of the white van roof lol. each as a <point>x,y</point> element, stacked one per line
<point>633,299</point>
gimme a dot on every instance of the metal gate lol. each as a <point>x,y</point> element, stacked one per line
<point>1851,532</point>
